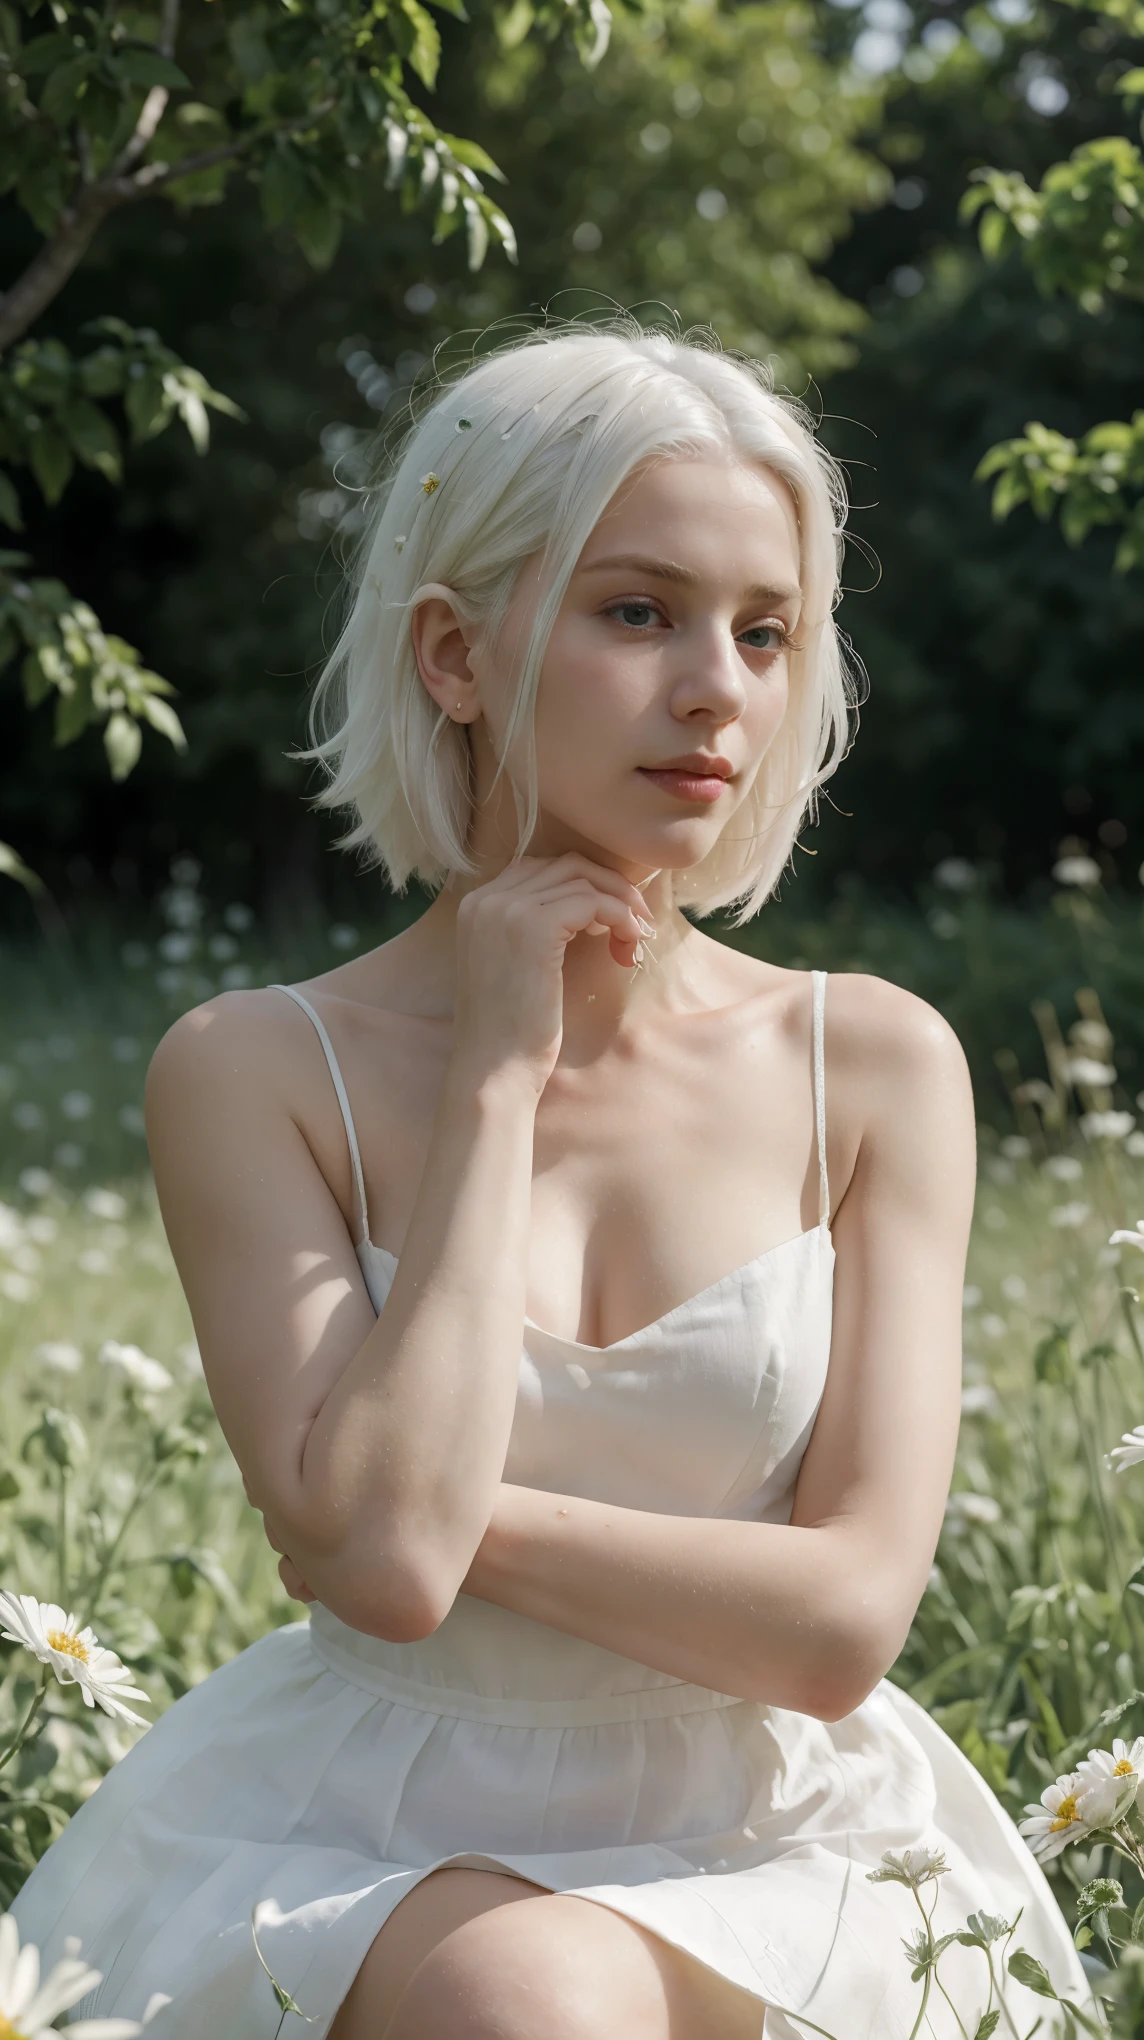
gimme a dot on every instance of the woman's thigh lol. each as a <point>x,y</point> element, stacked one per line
<point>489,1957</point>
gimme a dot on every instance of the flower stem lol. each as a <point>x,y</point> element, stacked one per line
<point>994,1983</point>
<point>21,1736</point>
<point>62,1541</point>
<point>142,1492</point>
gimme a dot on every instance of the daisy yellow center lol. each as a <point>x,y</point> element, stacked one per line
<point>1123,1769</point>
<point>8,2030</point>
<point>1065,1814</point>
<point>67,1646</point>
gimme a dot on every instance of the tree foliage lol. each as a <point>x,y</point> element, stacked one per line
<point>1081,235</point>
<point>102,108</point>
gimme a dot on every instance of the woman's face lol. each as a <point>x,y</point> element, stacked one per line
<point>666,674</point>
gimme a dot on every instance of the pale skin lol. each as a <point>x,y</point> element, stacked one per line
<point>548,1131</point>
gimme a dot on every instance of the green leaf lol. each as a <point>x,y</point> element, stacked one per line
<point>93,437</point>
<point>102,373</point>
<point>43,53</point>
<point>1052,1358</point>
<point>473,157</point>
<point>1031,1973</point>
<point>50,459</point>
<point>146,405</point>
<point>987,2024</point>
<point>421,44</point>
<point>1100,1894</point>
<point>318,229</point>
<point>477,233</point>
<point>162,717</point>
<point>10,504</point>
<point>12,865</point>
<point>286,188</point>
<point>122,741</point>
<point>147,68</point>
<point>9,1485</point>
<point>74,708</point>
<point>64,90</point>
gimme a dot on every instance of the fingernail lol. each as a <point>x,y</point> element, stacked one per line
<point>639,952</point>
<point>645,927</point>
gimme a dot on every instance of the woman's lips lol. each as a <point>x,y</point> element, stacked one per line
<point>700,788</point>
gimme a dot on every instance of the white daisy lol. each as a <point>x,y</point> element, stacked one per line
<point>1087,1071</point>
<point>913,1867</point>
<point>1110,1781</point>
<point>1058,1820</point>
<point>74,1654</point>
<point>1107,1125</point>
<point>28,2007</point>
<point>141,1371</point>
<point>1129,1239</point>
<point>1129,1452</point>
<point>1083,871</point>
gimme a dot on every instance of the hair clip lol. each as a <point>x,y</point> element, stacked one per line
<point>430,482</point>
<point>463,425</point>
<point>399,541</point>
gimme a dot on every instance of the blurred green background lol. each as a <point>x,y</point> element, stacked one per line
<point>790,174</point>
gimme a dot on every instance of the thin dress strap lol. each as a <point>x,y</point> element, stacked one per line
<point>818,978</point>
<point>343,1100</point>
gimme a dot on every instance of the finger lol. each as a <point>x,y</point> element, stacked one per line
<point>610,917</point>
<point>580,904</point>
<point>574,865</point>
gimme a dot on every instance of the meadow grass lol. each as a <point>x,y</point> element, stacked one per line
<point>119,1500</point>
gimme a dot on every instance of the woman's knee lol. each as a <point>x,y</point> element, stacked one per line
<point>536,1971</point>
<point>426,1916</point>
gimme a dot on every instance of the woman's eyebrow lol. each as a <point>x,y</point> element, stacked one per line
<point>683,577</point>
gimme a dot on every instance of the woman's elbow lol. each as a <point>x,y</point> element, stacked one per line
<point>382,1597</point>
<point>857,1653</point>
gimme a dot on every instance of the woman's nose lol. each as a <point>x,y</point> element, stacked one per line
<point>710,680</point>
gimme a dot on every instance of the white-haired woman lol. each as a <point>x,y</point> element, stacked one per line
<point>591,1343</point>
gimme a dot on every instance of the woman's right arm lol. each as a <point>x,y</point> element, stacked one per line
<point>375,1445</point>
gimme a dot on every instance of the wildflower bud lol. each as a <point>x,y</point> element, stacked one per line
<point>173,1442</point>
<point>62,1436</point>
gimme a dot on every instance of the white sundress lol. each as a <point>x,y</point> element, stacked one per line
<point>322,1773</point>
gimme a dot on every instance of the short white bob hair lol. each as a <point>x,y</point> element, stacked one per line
<point>521,454</point>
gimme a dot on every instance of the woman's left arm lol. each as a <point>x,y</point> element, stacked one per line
<point>809,1615</point>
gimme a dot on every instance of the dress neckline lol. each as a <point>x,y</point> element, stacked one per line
<point>821,1231</point>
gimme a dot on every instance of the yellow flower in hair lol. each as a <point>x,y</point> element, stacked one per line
<point>430,482</point>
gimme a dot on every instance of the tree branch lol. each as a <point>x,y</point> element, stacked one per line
<point>49,270</point>
<point>156,176</point>
<point>155,104</point>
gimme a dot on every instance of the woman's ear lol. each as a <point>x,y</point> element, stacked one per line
<point>441,645</point>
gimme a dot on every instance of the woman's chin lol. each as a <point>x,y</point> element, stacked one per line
<point>673,846</point>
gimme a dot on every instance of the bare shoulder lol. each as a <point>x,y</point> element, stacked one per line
<point>874,1027</point>
<point>234,1040</point>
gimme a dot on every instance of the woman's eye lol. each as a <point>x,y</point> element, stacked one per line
<point>764,630</point>
<point>637,615</point>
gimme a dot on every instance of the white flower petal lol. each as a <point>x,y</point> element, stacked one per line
<point>63,1987</point>
<point>106,2029</point>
